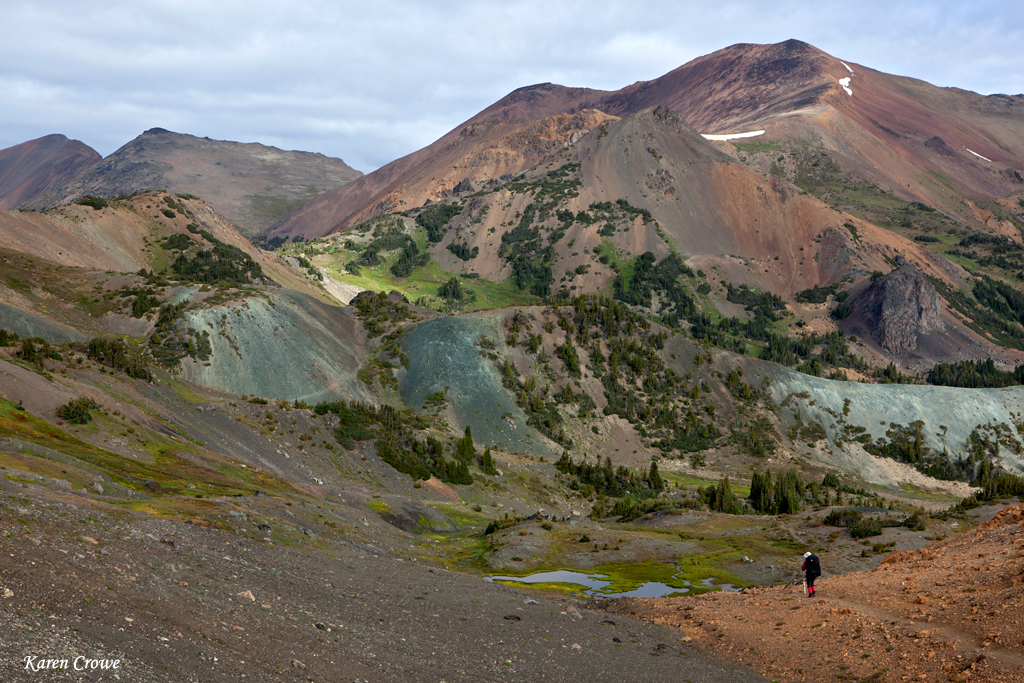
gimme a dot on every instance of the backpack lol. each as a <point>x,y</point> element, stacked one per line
<point>813,565</point>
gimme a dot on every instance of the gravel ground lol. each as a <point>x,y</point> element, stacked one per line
<point>179,602</point>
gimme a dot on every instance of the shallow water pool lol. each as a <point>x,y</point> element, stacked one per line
<point>593,584</point>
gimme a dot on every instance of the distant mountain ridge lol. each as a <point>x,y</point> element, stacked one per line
<point>250,184</point>
<point>33,168</point>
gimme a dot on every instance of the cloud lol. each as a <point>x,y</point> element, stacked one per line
<point>369,82</point>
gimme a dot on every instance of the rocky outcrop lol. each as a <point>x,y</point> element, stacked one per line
<point>899,306</point>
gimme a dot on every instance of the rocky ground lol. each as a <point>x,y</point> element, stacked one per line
<point>949,611</point>
<point>173,601</point>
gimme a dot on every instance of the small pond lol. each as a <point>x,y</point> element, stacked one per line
<point>593,584</point>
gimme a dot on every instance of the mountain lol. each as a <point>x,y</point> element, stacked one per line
<point>250,184</point>
<point>581,329</point>
<point>946,147</point>
<point>37,166</point>
<point>112,260</point>
<point>901,133</point>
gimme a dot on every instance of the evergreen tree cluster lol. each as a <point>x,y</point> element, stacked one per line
<point>974,374</point>
<point>34,350</point>
<point>648,278</point>
<point>396,441</point>
<point>222,264</point>
<point>462,250</point>
<point>624,353</point>
<point>378,312</point>
<point>786,496</point>
<point>169,345</point>
<point>607,480</point>
<point>114,353</point>
<point>436,217</point>
<point>720,498</point>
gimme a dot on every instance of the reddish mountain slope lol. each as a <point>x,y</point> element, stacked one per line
<point>937,145</point>
<point>737,86</point>
<point>748,227</point>
<point>948,611</point>
<point>37,166</point>
<point>503,130</point>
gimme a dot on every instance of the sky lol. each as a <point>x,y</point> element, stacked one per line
<point>371,82</point>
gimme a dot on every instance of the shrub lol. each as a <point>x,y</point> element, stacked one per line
<point>842,311</point>
<point>96,203</point>
<point>866,527</point>
<point>842,518</point>
<point>76,411</point>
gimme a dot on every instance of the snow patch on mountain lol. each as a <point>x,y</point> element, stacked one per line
<point>845,82</point>
<point>978,155</point>
<point>734,136</point>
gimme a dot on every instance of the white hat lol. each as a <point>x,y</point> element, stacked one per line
<point>807,554</point>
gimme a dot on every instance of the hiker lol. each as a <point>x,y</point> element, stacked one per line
<point>812,570</point>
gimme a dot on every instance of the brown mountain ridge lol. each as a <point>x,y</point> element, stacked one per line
<point>249,184</point>
<point>910,138</point>
<point>33,168</point>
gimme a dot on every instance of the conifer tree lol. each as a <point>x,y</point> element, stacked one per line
<point>654,480</point>
<point>487,463</point>
<point>465,451</point>
<point>761,491</point>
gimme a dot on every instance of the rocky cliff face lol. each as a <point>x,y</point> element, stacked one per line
<point>899,306</point>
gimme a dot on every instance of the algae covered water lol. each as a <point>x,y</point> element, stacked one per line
<point>595,585</point>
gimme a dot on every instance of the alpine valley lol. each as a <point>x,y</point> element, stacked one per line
<point>564,395</point>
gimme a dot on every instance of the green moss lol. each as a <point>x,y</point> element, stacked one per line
<point>169,472</point>
<point>545,586</point>
<point>760,146</point>
<point>270,209</point>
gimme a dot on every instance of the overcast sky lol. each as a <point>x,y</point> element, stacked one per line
<point>370,82</point>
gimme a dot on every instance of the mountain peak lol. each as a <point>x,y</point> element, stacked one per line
<point>251,185</point>
<point>37,166</point>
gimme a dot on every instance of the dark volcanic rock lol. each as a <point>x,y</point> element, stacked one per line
<point>899,306</point>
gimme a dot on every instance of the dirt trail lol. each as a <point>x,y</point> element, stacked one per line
<point>950,611</point>
<point>942,631</point>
